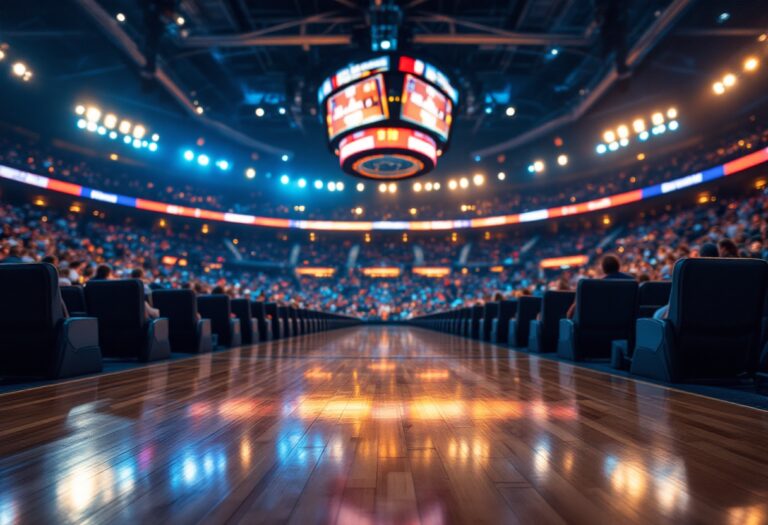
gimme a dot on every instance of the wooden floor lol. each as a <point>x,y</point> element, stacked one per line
<point>377,425</point>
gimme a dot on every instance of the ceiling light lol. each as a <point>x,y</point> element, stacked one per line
<point>729,80</point>
<point>510,111</point>
<point>120,17</point>
<point>718,88</point>
<point>751,64</point>
<point>417,187</point>
<point>562,160</point>
<point>609,136</point>
<point>259,112</point>
<point>501,175</point>
<point>464,182</point>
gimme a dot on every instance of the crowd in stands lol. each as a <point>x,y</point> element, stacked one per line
<point>35,156</point>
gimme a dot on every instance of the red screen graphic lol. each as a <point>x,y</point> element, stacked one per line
<point>426,106</point>
<point>358,104</point>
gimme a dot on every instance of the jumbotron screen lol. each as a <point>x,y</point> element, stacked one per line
<point>425,106</point>
<point>361,103</point>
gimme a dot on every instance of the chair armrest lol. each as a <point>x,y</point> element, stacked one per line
<point>512,333</point>
<point>158,345</point>
<point>254,331</point>
<point>534,336</point>
<point>236,338</point>
<point>77,348</point>
<point>566,340</point>
<point>204,339</point>
<point>653,354</point>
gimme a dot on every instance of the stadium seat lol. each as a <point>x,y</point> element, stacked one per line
<point>217,308</point>
<point>285,316</point>
<point>36,339</point>
<point>605,311</point>
<point>263,323</point>
<point>652,295</point>
<point>543,332</point>
<point>249,326</point>
<point>519,326</point>
<point>500,327</point>
<point>473,327</point>
<point>490,312</point>
<point>124,330</point>
<point>187,333</point>
<point>74,300</point>
<point>277,322</point>
<point>713,328</point>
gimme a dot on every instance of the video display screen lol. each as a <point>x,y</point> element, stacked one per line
<point>359,104</point>
<point>426,106</point>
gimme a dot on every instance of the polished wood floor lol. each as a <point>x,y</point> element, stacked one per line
<point>374,426</point>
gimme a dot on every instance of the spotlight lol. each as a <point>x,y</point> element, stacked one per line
<point>478,179</point>
<point>281,110</point>
<point>152,146</point>
<point>250,173</point>
<point>538,166</point>
<point>189,155</point>
<point>488,110</point>
<point>199,110</point>
<point>510,111</point>
<point>113,135</point>
<point>360,186</point>
<point>554,52</point>
<point>302,183</point>
<point>624,142</point>
<point>110,121</point>
<point>638,125</point>
<point>339,186</point>
<point>259,112</point>
<point>120,17</point>
<point>464,182</point>
<point>180,20</point>
<point>331,186</point>
<point>125,127</point>
<point>101,130</point>
<point>417,187</point>
<point>452,185</point>
<point>601,149</point>
<point>203,160</point>
<point>81,123</point>
<point>80,110</point>
<point>382,188</point>
<point>2,55</point>
<point>136,143</point>
<point>91,126</point>
<point>127,139</point>
<point>139,131</point>
<point>285,157</point>
<point>155,137</point>
<point>673,125</point>
<point>622,131</point>
<point>609,136</point>
<point>501,175</point>
<point>729,80</point>
<point>657,119</point>
<point>284,179</point>
<point>613,146</point>
<point>319,184</point>
<point>93,114</point>
<point>718,88</point>
<point>436,186</point>
<point>392,188</point>
<point>223,165</point>
<point>562,160</point>
<point>723,17</point>
<point>672,113</point>
<point>358,211</point>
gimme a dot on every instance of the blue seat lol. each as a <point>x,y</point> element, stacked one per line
<point>218,309</point>
<point>500,327</point>
<point>490,312</point>
<point>519,326</point>
<point>543,333</point>
<point>186,332</point>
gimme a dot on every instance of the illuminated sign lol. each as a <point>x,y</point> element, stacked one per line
<point>359,104</point>
<point>316,271</point>
<point>426,106</point>
<point>431,73</point>
<point>387,153</point>
<point>351,73</point>
<point>431,271</point>
<point>382,272</point>
<point>569,261</point>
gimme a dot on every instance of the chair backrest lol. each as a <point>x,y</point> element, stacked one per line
<point>652,295</point>
<point>216,307</point>
<point>554,306</point>
<point>242,310</point>
<point>490,312</point>
<point>74,299</point>
<point>606,310</point>
<point>180,307</point>
<point>119,307</point>
<point>527,309</point>
<point>271,309</point>
<point>30,311</point>
<point>716,309</point>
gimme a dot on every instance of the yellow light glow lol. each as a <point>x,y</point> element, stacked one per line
<point>622,131</point>
<point>562,160</point>
<point>392,188</point>
<point>417,187</point>
<point>110,121</point>
<point>751,64</point>
<point>657,118</point>
<point>672,113</point>
<point>125,127</point>
<point>464,182</point>
<point>93,114</point>
<point>139,131</point>
<point>638,125</point>
<point>452,185</point>
<point>382,188</point>
<point>729,80</point>
<point>478,179</point>
<point>609,136</point>
<point>718,88</point>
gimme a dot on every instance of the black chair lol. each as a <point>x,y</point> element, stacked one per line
<point>36,339</point>
<point>259,313</point>
<point>285,318</point>
<point>543,333</point>
<point>520,326</point>
<point>249,327</point>
<point>473,327</point>
<point>217,308</point>
<point>500,325</point>
<point>187,333</point>
<point>74,299</point>
<point>652,295</point>
<point>277,322</point>
<point>490,312</point>
<point>124,330</point>
<point>605,310</point>
<point>713,328</point>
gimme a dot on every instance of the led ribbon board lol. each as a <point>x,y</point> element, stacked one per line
<point>724,170</point>
<point>387,153</point>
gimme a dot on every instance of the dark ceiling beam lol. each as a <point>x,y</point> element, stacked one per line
<point>722,32</point>
<point>510,39</point>
<point>268,40</point>
<point>652,36</point>
<point>120,38</point>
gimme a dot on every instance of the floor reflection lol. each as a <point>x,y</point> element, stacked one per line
<point>378,425</point>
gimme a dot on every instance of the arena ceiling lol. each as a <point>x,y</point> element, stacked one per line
<point>552,60</point>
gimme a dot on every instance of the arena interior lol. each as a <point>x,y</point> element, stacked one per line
<point>383,261</point>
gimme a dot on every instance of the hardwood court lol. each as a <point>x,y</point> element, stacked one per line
<point>377,425</point>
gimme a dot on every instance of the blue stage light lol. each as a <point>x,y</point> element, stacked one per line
<point>223,165</point>
<point>554,51</point>
<point>613,146</point>
<point>127,139</point>
<point>339,186</point>
<point>488,110</point>
<point>137,143</point>
<point>203,159</point>
<point>331,186</point>
<point>601,149</point>
<point>189,155</point>
<point>101,130</point>
<point>285,157</point>
<point>91,126</point>
<point>281,110</point>
<point>81,123</point>
<point>319,184</point>
<point>673,125</point>
<point>284,179</point>
<point>531,168</point>
<point>302,183</point>
<point>152,146</point>
<point>643,136</point>
<point>113,135</point>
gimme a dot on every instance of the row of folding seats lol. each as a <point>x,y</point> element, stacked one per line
<point>716,326</point>
<point>38,337</point>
